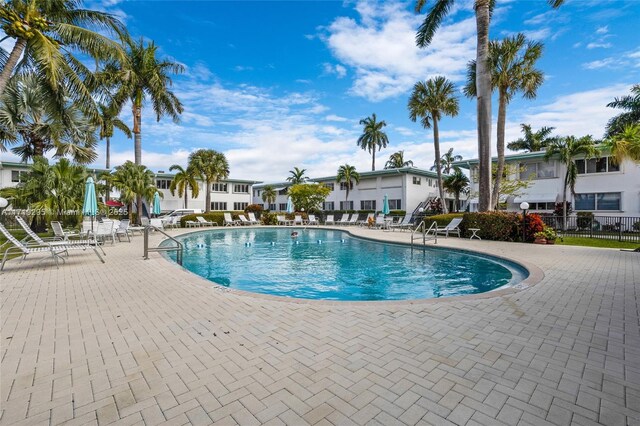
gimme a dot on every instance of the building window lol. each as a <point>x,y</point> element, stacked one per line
<point>18,176</point>
<point>330,186</point>
<point>367,204</point>
<point>219,187</point>
<point>346,205</point>
<point>328,205</point>
<point>417,180</point>
<point>240,206</point>
<point>282,207</point>
<point>256,192</point>
<point>598,201</point>
<point>596,165</point>
<point>540,170</point>
<point>272,206</point>
<point>343,186</point>
<point>241,188</point>
<point>163,183</point>
<point>542,206</point>
<point>395,204</point>
<point>218,205</point>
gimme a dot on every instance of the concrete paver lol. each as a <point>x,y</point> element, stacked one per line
<point>135,341</point>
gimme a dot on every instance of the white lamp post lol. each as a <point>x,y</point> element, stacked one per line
<point>524,206</point>
<point>3,203</point>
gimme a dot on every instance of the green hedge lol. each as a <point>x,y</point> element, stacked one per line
<point>217,217</point>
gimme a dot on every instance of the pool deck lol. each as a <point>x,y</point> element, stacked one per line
<point>146,342</point>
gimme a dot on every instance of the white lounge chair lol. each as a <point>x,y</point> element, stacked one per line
<point>354,219</point>
<point>171,222</point>
<point>123,229</point>
<point>60,233</point>
<point>365,222</point>
<point>453,227</point>
<point>205,222</point>
<point>104,230</point>
<point>228,220</point>
<point>244,220</point>
<point>55,249</point>
<point>344,220</point>
<point>381,222</point>
<point>297,220</point>
<point>329,220</point>
<point>282,220</point>
<point>192,224</point>
<point>252,219</point>
<point>405,223</point>
<point>312,220</point>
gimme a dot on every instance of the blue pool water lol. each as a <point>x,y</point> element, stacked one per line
<point>331,265</point>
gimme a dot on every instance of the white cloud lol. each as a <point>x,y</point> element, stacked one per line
<point>602,30</point>
<point>629,59</point>
<point>333,117</point>
<point>338,70</point>
<point>381,49</point>
<point>596,45</point>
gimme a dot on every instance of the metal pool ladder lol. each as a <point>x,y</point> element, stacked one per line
<point>426,232</point>
<point>178,248</point>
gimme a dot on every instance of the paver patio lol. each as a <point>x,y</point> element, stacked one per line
<point>134,341</point>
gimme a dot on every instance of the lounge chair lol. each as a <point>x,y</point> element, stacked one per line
<point>312,220</point>
<point>344,220</point>
<point>171,222</point>
<point>329,220</point>
<point>282,220</point>
<point>228,220</point>
<point>244,220</point>
<point>365,222</point>
<point>354,219</point>
<point>405,223</point>
<point>252,219</point>
<point>55,249</point>
<point>205,222</point>
<point>104,230</point>
<point>297,220</point>
<point>453,226</point>
<point>123,229</point>
<point>381,222</point>
<point>192,224</point>
<point>60,233</point>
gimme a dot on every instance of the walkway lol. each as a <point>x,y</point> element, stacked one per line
<point>134,341</point>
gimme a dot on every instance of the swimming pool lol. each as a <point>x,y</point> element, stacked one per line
<point>331,265</point>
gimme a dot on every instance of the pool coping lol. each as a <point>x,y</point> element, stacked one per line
<point>536,275</point>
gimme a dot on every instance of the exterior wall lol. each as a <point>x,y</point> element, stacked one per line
<point>626,181</point>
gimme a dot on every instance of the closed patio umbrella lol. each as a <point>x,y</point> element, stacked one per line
<point>289,206</point>
<point>385,205</point>
<point>156,204</point>
<point>90,205</point>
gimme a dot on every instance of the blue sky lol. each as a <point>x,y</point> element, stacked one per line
<point>280,84</point>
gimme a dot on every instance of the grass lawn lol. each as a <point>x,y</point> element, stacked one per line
<point>596,242</point>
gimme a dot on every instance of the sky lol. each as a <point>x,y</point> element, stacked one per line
<point>283,84</point>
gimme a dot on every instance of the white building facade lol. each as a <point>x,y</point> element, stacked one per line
<point>407,189</point>
<point>602,187</point>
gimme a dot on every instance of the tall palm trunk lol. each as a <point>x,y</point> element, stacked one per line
<point>185,199</point>
<point>373,161</point>
<point>483,89</point>
<point>436,146</point>
<point>137,149</point>
<point>564,203</point>
<point>207,198</point>
<point>502,118</point>
<point>12,61</point>
<point>108,162</point>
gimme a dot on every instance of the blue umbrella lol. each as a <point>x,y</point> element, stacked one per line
<point>90,205</point>
<point>156,204</point>
<point>385,205</point>
<point>289,206</point>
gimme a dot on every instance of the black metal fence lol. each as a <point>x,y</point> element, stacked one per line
<point>620,228</point>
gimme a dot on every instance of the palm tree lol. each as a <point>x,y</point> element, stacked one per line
<point>429,101</point>
<point>347,174</point>
<point>297,176</point>
<point>457,183</point>
<point>28,114</point>
<point>372,137</point>
<point>134,182</point>
<point>46,33</point>
<point>532,141</point>
<point>629,103</point>
<point>210,166</point>
<point>512,67</point>
<point>139,77</point>
<point>567,149</point>
<point>396,161</point>
<point>424,36</point>
<point>183,180</point>
<point>269,194</point>
<point>446,161</point>
<point>625,145</point>
<point>108,120</point>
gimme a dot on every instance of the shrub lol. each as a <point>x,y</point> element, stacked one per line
<point>269,218</point>
<point>636,226</point>
<point>534,224</point>
<point>558,210</point>
<point>394,212</point>
<point>499,226</point>
<point>584,220</point>
<point>254,208</point>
